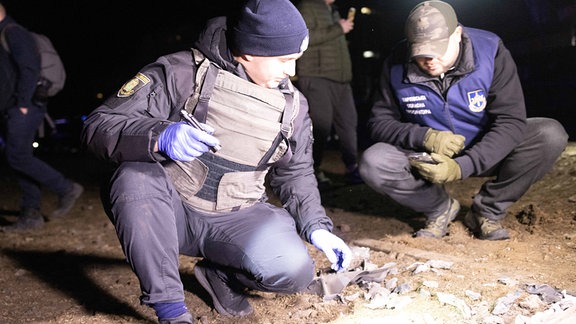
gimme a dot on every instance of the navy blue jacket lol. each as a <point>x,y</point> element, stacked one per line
<point>25,58</point>
<point>125,128</point>
<point>463,111</point>
<point>481,99</point>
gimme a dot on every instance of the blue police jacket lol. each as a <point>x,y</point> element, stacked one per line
<point>463,110</point>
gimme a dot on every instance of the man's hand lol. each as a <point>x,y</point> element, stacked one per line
<point>337,252</point>
<point>445,171</point>
<point>347,25</point>
<point>182,142</point>
<point>443,142</point>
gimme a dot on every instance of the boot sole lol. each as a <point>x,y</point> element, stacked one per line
<point>203,280</point>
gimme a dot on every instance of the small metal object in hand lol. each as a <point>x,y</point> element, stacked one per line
<point>192,121</point>
<point>421,157</point>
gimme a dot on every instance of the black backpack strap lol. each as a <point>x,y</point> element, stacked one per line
<point>3,39</point>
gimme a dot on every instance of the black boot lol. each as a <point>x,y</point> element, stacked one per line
<point>29,219</point>
<point>227,300</point>
<point>67,201</point>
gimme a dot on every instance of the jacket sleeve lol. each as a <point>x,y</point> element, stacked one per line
<point>385,122</point>
<point>319,33</point>
<point>507,112</point>
<point>295,183</point>
<point>127,125</point>
<point>27,61</point>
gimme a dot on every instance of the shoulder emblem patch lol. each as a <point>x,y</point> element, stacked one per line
<point>476,100</point>
<point>135,84</point>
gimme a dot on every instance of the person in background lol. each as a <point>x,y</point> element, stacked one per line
<point>459,98</point>
<point>196,185</point>
<point>324,73</point>
<point>21,121</point>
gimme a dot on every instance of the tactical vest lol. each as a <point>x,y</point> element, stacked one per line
<point>253,125</point>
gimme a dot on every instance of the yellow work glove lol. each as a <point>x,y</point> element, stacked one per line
<point>445,170</point>
<point>443,142</point>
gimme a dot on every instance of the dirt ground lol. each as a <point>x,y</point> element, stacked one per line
<point>73,270</point>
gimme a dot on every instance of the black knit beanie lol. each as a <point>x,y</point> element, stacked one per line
<point>270,28</point>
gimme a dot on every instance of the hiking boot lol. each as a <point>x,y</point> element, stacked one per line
<point>28,219</point>
<point>227,301</point>
<point>484,228</point>
<point>185,318</point>
<point>438,227</point>
<point>67,201</point>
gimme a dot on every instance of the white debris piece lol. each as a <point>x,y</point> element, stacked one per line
<point>430,283</point>
<point>473,295</point>
<point>456,302</point>
<point>503,303</point>
<point>439,264</point>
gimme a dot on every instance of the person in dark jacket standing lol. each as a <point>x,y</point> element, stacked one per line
<point>194,135</point>
<point>21,121</point>
<point>324,73</point>
<point>458,98</point>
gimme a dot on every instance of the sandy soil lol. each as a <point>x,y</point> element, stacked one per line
<point>73,270</point>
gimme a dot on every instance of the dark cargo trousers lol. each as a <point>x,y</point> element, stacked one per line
<point>32,173</point>
<point>386,169</point>
<point>332,105</point>
<point>259,244</point>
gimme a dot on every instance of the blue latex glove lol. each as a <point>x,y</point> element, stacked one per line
<point>337,252</point>
<point>182,142</point>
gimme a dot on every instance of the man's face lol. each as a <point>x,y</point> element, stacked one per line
<point>435,66</point>
<point>269,71</point>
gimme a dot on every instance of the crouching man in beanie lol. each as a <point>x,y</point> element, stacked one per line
<point>459,98</point>
<point>194,135</point>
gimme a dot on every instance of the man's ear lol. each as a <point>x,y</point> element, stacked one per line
<point>457,34</point>
<point>458,30</point>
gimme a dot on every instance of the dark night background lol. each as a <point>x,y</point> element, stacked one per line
<point>104,43</point>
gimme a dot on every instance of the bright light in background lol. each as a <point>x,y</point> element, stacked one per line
<point>368,54</point>
<point>365,11</point>
<point>35,144</point>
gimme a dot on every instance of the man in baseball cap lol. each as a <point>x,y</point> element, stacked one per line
<point>428,28</point>
<point>454,92</point>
